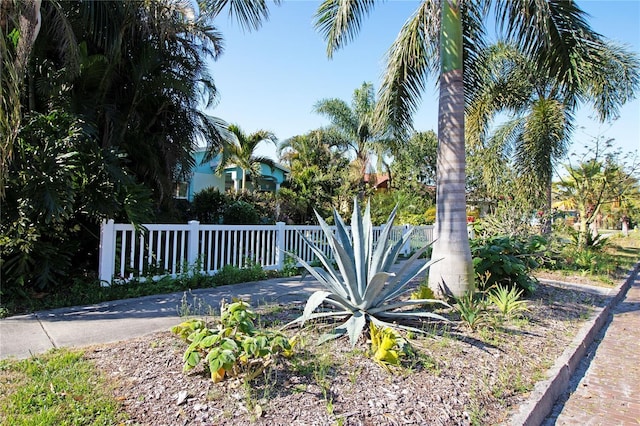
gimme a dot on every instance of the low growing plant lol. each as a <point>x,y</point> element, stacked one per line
<point>362,288</point>
<point>234,348</point>
<point>507,300</point>
<point>387,346</point>
<point>472,309</point>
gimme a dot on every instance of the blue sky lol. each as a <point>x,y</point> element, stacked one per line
<point>270,79</point>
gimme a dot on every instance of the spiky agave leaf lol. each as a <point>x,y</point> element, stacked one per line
<point>364,288</point>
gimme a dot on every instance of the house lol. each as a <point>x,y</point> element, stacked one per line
<point>204,176</point>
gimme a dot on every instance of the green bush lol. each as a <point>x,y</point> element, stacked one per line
<point>209,205</point>
<point>505,261</point>
<point>241,213</point>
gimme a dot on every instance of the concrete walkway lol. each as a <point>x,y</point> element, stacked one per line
<point>24,335</point>
<point>605,390</point>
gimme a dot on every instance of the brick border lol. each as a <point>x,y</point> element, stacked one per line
<point>544,395</point>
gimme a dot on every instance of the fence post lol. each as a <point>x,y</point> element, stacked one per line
<point>406,248</point>
<point>193,243</point>
<point>280,244</point>
<point>107,252</point>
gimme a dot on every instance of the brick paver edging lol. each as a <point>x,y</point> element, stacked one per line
<point>544,395</point>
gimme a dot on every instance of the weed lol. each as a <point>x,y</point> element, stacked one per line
<point>197,307</point>
<point>472,310</point>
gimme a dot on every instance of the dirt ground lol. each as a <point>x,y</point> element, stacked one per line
<point>456,377</point>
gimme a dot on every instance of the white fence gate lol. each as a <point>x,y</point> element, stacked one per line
<point>156,250</point>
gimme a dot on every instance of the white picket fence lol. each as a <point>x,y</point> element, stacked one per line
<point>157,250</point>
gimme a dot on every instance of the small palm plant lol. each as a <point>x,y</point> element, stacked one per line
<point>363,289</point>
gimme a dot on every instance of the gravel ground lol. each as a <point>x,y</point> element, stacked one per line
<point>458,376</point>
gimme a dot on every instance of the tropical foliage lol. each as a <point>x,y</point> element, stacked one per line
<point>240,151</point>
<point>318,177</point>
<point>599,179</point>
<point>536,136</point>
<point>101,109</point>
<point>445,39</point>
<point>362,288</point>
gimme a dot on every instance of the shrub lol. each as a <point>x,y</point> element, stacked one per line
<point>505,260</point>
<point>208,205</point>
<point>241,213</point>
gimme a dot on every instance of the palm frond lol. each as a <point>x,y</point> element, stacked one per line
<point>412,58</point>
<point>338,21</point>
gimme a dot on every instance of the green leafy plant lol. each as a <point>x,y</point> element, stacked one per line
<point>507,300</point>
<point>290,267</point>
<point>506,259</point>
<point>235,348</point>
<point>472,310</point>
<point>363,288</point>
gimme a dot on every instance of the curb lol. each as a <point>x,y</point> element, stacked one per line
<point>544,395</point>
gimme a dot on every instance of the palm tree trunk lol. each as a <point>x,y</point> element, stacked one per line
<point>244,179</point>
<point>12,72</point>
<point>453,275</point>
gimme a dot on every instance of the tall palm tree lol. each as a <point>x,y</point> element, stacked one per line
<point>361,134</point>
<point>443,38</point>
<point>542,118</point>
<point>241,152</point>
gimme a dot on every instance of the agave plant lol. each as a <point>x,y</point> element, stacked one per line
<point>363,288</point>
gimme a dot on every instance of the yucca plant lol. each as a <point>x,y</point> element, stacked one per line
<point>363,289</point>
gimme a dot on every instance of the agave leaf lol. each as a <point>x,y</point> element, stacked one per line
<point>313,302</point>
<point>359,255</point>
<point>403,278</point>
<point>322,276</point>
<point>368,241</point>
<point>392,253</point>
<point>379,323</point>
<point>418,314</point>
<point>405,303</point>
<point>316,315</point>
<point>341,233</point>
<point>375,285</point>
<point>354,326</point>
<point>322,257</point>
<point>344,259</point>
<point>347,268</point>
<point>377,259</point>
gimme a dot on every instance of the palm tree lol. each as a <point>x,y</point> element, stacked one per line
<point>539,130</point>
<point>21,19</point>
<point>241,152</point>
<point>361,134</point>
<point>444,38</point>
<point>127,43</point>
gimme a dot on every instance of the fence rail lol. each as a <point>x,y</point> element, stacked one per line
<point>157,250</point>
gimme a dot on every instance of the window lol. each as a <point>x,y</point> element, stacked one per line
<point>182,190</point>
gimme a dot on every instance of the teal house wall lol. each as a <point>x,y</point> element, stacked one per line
<point>204,176</point>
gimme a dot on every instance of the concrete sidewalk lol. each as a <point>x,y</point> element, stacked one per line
<point>24,335</point>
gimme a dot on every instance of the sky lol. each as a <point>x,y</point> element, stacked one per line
<point>270,79</point>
